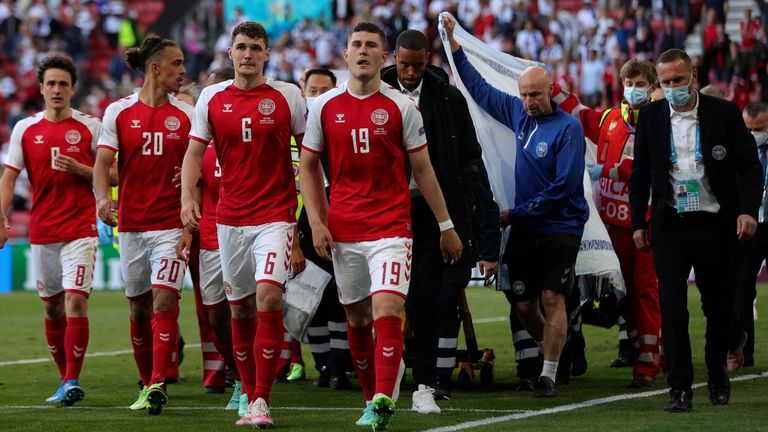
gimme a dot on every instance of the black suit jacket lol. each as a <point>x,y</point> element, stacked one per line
<point>736,179</point>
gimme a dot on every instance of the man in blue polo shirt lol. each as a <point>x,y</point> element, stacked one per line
<point>550,211</point>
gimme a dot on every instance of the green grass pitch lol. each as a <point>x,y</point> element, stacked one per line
<point>110,384</point>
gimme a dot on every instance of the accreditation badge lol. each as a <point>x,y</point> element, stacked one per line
<point>688,196</point>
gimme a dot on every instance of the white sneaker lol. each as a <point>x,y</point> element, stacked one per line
<point>424,401</point>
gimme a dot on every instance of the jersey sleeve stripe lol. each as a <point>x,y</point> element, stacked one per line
<point>419,148</point>
<point>311,150</point>
<point>192,137</point>
<point>106,146</point>
<point>11,167</point>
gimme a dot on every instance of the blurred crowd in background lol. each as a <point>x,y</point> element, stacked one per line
<point>582,42</point>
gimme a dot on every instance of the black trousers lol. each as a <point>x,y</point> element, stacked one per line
<point>431,305</point>
<point>754,252</point>
<point>705,242</point>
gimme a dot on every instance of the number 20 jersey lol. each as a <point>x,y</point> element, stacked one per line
<point>366,140</point>
<point>151,141</point>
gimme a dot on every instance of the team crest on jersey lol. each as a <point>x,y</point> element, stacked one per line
<point>379,117</point>
<point>266,106</point>
<point>135,124</point>
<point>340,118</point>
<point>541,149</point>
<point>227,108</point>
<point>172,123</point>
<point>613,125</point>
<point>72,137</point>
<point>38,139</point>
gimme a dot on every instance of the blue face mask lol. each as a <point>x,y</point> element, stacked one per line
<point>678,96</point>
<point>635,96</point>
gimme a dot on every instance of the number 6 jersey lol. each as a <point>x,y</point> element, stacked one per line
<point>251,130</point>
<point>366,140</point>
<point>151,141</point>
<point>63,206</point>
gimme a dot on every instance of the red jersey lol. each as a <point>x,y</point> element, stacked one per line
<point>151,141</point>
<point>63,205</point>
<point>210,179</point>
<point>251,130</point>
<point>366,140</point>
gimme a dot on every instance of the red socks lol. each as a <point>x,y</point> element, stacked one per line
<point>55,329</point>
<point>389,353</point>
<point>165,334</point>
<point>243,335</point>
<point>266,349</point>
<point>141,340</point>
<point>362,349</point>
<point>75,343</point>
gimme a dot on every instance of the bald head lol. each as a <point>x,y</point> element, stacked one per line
<point>535,90</point>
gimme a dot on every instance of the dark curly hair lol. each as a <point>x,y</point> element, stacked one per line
<point>57,61</point>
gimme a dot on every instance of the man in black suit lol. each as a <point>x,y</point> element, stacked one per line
<point>698,143</point>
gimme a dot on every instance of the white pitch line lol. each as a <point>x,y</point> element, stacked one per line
<point>220,408</point>
<point>96,354</point>
<point>490,320</point>
<point>573,407</point>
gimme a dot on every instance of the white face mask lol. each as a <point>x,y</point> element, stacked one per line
<point>310,100</point>
<point>761,137</point>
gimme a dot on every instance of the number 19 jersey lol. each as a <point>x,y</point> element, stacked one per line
<point>366,140</point>
<point>251,130</point>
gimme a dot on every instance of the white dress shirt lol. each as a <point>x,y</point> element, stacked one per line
<point>684,131</point>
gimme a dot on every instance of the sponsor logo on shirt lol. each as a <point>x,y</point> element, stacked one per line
<point>38,139</point>
<point>340,118</point>
<point>266,106</point>
<point>421,131</point>
<point>172,123</point>
<point>72,137</point>
<point>135,124</point>
<point>227,108</point>
<point>379,117</point>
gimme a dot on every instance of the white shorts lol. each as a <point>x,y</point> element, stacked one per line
<point>365,268</point>
<point>251,255</point>
<point>211,280</point>
<point>148,260</point>
<point>64,267</point>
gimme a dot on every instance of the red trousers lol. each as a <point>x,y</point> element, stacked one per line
<point>640,308</point>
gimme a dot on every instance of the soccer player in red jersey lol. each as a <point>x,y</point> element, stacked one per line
<point>150,128</point>
<point>367,129</point>
<point>251,120</point>
<point>57,148</point>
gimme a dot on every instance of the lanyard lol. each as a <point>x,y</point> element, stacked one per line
<point>673,153</point>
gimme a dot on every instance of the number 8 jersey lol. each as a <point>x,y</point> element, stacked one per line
<point>366,140</point>
<point>151,141</point>
<point>62,203</point>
